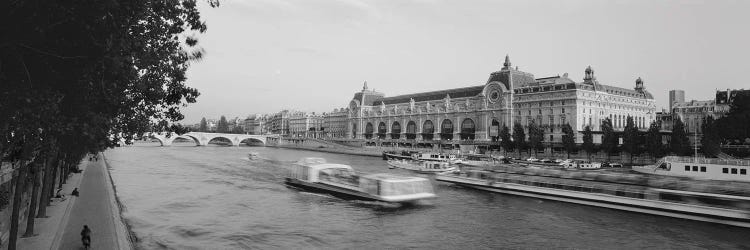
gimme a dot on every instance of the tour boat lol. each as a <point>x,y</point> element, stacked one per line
<point>253,156</point>
<point>581,164</point>
<point>722,202</point>
<point>422,166</point>
<point>340,180</point>
<point>387,155</point>
<point>480,160</point>
<point>413,155</point>
<point>699,168</point>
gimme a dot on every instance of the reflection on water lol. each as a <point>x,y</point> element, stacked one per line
<point>211,197</point>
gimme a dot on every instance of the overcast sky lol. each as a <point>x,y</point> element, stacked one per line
<point>312,55</point>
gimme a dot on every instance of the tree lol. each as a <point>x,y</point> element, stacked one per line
<point>679,142</point>
<point>505,142</point>
<point>609,138</point>
<point>568,139</point>
<point>204,125</point>
<point>222,126</point>
<point>653,140</point>
<point>519,138</point>
<point>734,125</point>
<point>710,142</point>
<point>79,76</point>
<point>237,130</point>
<point>588,141</point>
<point>630,142</point>
<point>536,137</point>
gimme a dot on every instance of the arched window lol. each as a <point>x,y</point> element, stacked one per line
<point>369,131</point>
<point>381,130</point>
<point>411,130</point>
<point>495,130</point>
<point>395,130</point>
<point>446,130</point>
<point>467,129</point>
<point>428,130</point>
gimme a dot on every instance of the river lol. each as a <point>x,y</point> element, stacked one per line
<point>213,197</point>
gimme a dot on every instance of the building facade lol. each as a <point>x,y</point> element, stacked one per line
<point>510,96</point>
<point>676,96</point>
<point>303,124</point>
<point>278,123</point>
<point>256,124</point>
<point>335,123</point>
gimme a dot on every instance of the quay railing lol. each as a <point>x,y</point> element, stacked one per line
<point>716,161</point>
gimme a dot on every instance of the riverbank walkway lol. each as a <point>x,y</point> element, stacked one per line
<point>95,207</point>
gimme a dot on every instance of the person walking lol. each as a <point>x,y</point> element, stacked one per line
<point>86,236</point>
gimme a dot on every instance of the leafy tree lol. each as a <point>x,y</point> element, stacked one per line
<point>78,76</point>
<point>506,143</point>
<point>734,125</point>
<point>679,142</point>
<point>609,138</point>
<point>519,138</point>
<point>237,130</point>
<point>653,140</point>
<point>588,141</point>
<point>204,125</point>
<point>222,126</point>
<point>536,137</point>
<point>710,142</point>
<point>630,142</point>
<point>569,139</point>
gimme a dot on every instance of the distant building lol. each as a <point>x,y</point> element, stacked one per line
<point>334,123</point>
<point>303,124</point>
<point>676,96</point>
<point>255,124</point>
<point>477,113</point>
<point>278,123</point>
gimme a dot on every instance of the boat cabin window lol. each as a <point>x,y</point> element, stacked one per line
<point>703,169</point>
<point>743,171</point>
<point>695,168</point>
<point>687,168</point>
<point>725,170</point>
<point>665,165</point>
<point>734,171</point>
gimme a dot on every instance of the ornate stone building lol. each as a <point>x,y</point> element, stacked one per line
<point>476,114</point>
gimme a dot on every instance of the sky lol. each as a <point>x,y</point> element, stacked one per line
<point>264,56</point>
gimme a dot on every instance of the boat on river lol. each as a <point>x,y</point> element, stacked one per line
<point>710,201</point>
<point>422,166</point>
<point>699,168</point>
<point>480,160</point>
<point>253,156</point>
<point>315,174</point>
<point>419,156</point>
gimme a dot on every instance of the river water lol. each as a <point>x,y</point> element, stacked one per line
<point>213,197</point>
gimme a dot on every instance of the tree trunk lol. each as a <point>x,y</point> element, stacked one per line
<point>54,177</point>
<point>35,173</point>
<point>20,183</point>
<point>44,197</point>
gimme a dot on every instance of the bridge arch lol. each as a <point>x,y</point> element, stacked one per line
<point>245,140</point>
<point>213,137</point>
<point>190,137</point>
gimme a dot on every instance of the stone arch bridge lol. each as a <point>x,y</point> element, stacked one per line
<point>202,139</point>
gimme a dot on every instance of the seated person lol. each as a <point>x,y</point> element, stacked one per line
<point>75,192</point>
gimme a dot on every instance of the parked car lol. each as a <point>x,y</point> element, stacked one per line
<point>532,159</point>
<point>558,160</point>
<point>545,160</point>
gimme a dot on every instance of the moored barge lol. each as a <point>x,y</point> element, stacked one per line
<point>725,203</point>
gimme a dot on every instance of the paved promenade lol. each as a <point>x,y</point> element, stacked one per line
<point>95,207</point>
